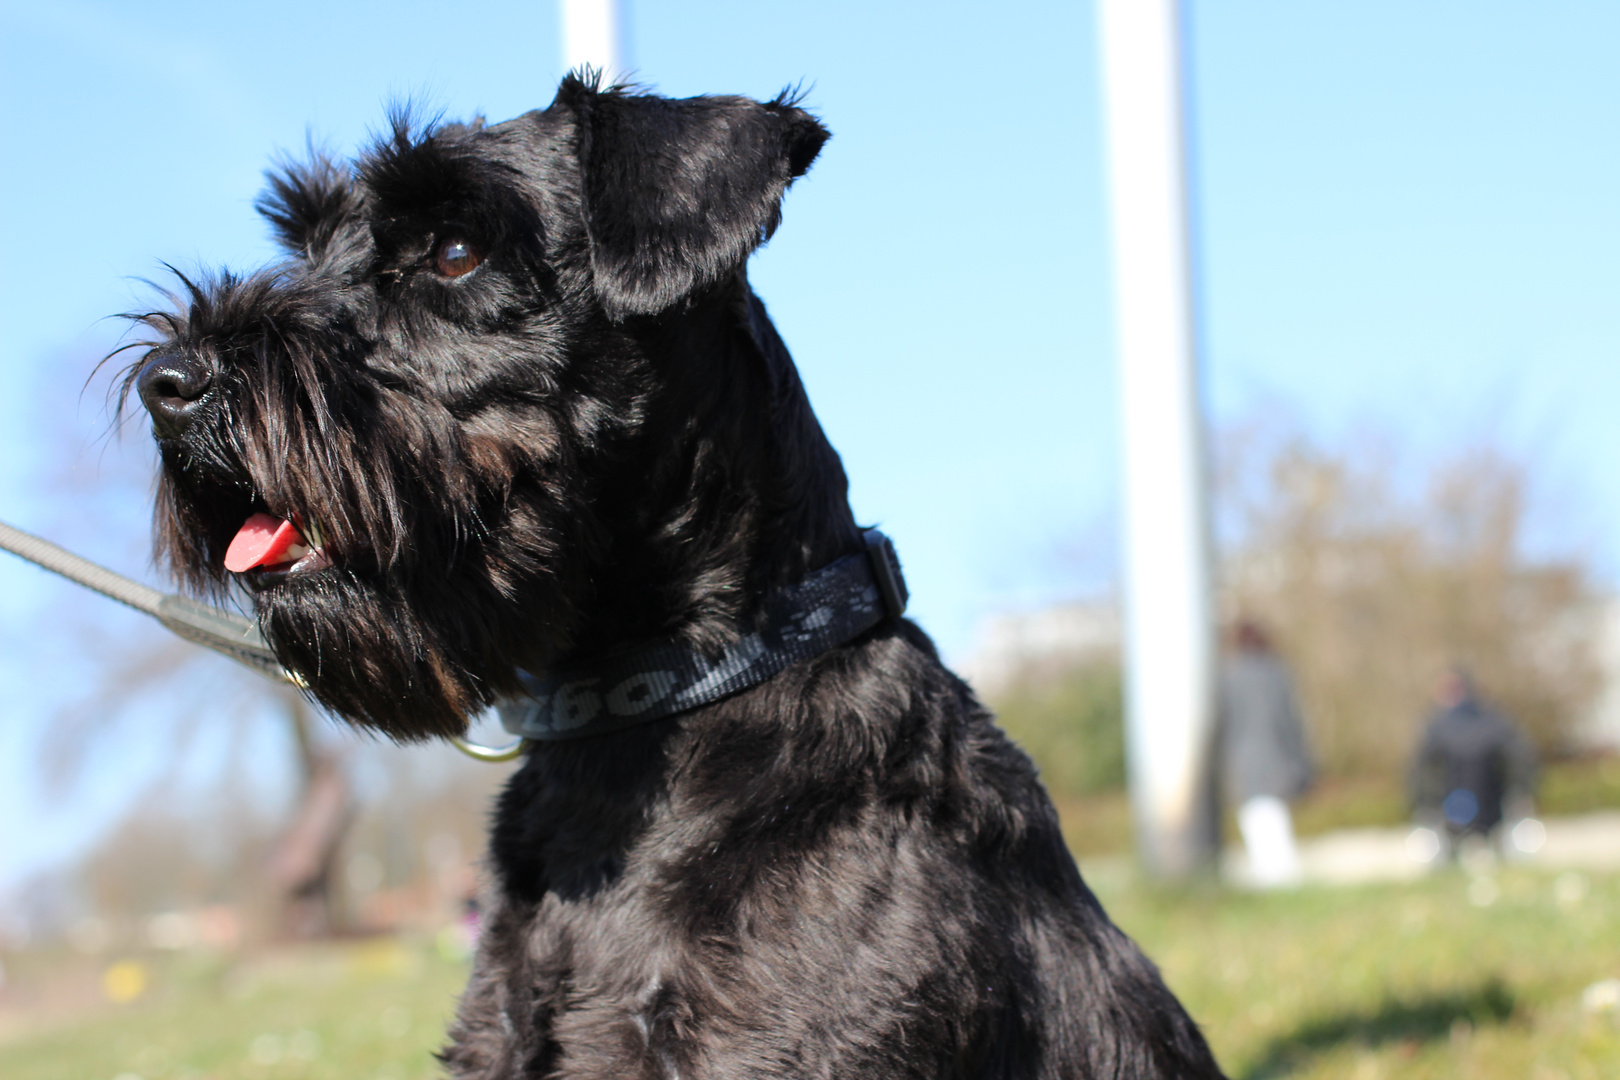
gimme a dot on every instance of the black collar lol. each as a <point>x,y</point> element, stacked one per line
<point>826,609</point>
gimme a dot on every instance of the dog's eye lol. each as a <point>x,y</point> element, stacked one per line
<point>454,257</point>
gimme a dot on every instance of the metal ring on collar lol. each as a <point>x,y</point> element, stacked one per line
<point>489,753</point>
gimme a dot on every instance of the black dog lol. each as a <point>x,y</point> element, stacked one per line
<point>509,424</point>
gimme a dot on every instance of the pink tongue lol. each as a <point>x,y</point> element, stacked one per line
<point>262,540</point>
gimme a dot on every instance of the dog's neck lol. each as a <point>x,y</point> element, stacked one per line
<point>720,502</point>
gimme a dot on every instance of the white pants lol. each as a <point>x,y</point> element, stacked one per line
<point>1268,837</point>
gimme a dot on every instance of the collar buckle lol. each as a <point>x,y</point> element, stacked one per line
<point>885,561</point>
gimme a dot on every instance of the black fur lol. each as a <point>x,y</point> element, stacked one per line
<point>593,439</point>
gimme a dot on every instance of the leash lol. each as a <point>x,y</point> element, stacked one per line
<point>213,628</point>
<point>204,624</point>
<point>827,608</point>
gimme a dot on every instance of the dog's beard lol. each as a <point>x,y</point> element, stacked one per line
<point>366,655</point>
<point>349,630</point>
<point>412,648</point>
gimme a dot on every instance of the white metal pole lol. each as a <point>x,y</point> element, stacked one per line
<point>591,35</point>
<point>1169,638</point>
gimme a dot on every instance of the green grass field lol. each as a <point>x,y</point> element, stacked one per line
<point>1443,978</point>
<point>1448,977</point>
<point>372,1010</point>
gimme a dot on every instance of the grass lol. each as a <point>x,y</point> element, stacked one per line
<point>372,1010</point>
<point>1575,787</point>
<point>1440,978</point>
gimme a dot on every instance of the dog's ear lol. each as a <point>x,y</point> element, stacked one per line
<point>677,193</point>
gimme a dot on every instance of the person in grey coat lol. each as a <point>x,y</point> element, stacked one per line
<point>1263,756</point>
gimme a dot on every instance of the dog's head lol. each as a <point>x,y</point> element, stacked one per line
<point>475,404</point>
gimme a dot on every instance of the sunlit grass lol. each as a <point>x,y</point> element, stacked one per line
<point>373,1010</point>
<point>1440,978</point>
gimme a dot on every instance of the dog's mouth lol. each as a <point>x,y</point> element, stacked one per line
<point>268,550</point>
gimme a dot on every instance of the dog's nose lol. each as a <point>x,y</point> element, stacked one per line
<point>172,387</point>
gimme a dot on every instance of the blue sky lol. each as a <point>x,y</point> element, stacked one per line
<point>1408,218</point>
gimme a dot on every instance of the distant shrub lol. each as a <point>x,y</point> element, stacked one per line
<point>1373,575</point>
<point>1071,720</point>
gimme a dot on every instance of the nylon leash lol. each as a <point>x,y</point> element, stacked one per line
<point>213,628</point>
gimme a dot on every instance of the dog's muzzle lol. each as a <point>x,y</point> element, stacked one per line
<point>173,387</point>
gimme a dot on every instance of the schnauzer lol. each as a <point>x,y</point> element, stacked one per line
<point>507,425</point>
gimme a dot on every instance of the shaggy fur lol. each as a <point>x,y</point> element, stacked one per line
<point>594,439</point>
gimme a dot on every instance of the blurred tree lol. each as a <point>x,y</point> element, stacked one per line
<point>160,858</point>
<point>1372,576</point>
<point>303,864</point>
<point>1372,583</point>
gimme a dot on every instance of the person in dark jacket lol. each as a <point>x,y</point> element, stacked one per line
<point>1262,752</point>
<point>1473,765</point>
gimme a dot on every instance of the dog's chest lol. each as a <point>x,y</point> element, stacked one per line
<point>684,940</point>
<point>637,981</point>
